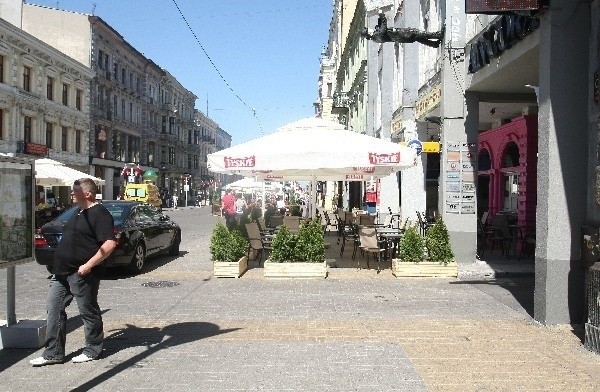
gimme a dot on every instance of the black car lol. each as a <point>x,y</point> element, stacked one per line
<point>141,230</point>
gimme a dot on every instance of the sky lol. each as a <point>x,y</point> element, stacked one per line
<point>253,64</point>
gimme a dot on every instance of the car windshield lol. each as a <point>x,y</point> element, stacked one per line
<point>119,212</point>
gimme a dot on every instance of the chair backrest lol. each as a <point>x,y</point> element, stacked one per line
<point>484,217</point>
<point>419,218</point>
<point>499,222</point>
<point>366,220</point>
<point>292,223</point>
<point>405,225</point>
<point>368,237</point>
<point>276,220</point>
<point>387,221</point>
<point>253,231</point>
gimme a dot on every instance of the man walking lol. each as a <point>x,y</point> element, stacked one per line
<point>88,239</point>
<point>228,208</point>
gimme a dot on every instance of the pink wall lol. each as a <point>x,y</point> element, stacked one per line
<point>523,131</point>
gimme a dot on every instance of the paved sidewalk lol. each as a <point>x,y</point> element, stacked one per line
<point>177,328</point>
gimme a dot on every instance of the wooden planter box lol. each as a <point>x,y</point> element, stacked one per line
<point>295,270</point>
<point>424,269</point>
<point>230,269</point>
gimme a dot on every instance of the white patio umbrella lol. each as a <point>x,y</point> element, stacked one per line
<point>313,149</point>
<point>248,183</point>
<point>49,172</point>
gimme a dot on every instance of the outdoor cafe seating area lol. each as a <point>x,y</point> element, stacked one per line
<point>355,240</point>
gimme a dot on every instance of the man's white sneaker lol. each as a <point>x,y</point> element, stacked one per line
<point>81,358</point>
<point>41,361</point>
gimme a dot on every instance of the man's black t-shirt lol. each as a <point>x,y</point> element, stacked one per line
<point>83,235</point>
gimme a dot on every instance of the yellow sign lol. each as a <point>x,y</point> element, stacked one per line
<point>425,104</point>
<point>427,147</point>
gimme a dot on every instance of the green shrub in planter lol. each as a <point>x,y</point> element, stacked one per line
<point>295,210</point>
<point>311,244</point>
<point>411,247</point>
<point>227,245</point>
<point>284,246</point>
<point>437,242</point>
<point>270,210</point>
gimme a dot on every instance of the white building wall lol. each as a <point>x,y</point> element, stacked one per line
<point>45,23</point>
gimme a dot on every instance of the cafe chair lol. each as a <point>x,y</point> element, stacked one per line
<point>369,243</point>
<point>258,242</point>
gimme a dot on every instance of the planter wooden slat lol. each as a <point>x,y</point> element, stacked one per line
<point>424,269</point>
<point>295,270</point>
<point>227,269</point>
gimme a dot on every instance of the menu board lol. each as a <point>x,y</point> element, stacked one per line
<point>16,210</point>
<point>459,178</point>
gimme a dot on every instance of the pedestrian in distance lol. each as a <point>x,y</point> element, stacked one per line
<point>175,200</point>
<point>228,208</point>
<point>88,239</point>
<point>240,206</point>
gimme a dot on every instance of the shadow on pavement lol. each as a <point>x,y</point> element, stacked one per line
<point>514,292</point>
<point>11,356</point>
<point>150,265</point>
<point>154,339</point>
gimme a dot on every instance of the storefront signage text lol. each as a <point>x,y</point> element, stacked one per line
<point>382,159</point>
<point>239,162</point>
<point>36,149</point>
<point>499,37</point>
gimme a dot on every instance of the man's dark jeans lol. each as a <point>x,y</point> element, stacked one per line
<point>61,291</point>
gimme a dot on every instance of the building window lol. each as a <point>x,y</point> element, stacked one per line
<point>27,129</point>
<point>151,153</point>
<point>171,155</point>
<point>164,124</point>
<point>78,97</point>
<point>163,154</point>
<point>189,163</point>
<point>50,88</point>
<point>130,111</point>
<point>1,69</point>
<point>123,109</point>
<point>78,133</point>
<point>133,149</point>
<point>1,123</point>
<point>49,134</point>
<point>123,73</point>
<point>64,139</point>
<point>65,94</point>
<point>26,78</point>
<point>100,59</point>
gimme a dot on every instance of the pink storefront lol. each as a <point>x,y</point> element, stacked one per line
<point>507,170</point>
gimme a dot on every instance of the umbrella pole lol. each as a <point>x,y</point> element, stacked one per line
<point>264,192</point>
<point>313,196</point>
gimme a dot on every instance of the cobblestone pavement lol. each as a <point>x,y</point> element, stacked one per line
<point>354,331</point>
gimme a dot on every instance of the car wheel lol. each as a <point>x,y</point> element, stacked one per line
<point>174,249</point>
<point>137,261</point>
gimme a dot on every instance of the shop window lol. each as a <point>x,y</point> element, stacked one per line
<point>511,155</point>
<point>511,186</point>
<point>484,162</point>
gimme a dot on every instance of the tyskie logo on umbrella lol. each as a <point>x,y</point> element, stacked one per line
<point>384,159</point>
<point>240,162</point>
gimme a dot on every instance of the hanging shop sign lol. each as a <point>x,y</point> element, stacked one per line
<point>499,37</point>
<point>429,101</point>
<point>502,6</point>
